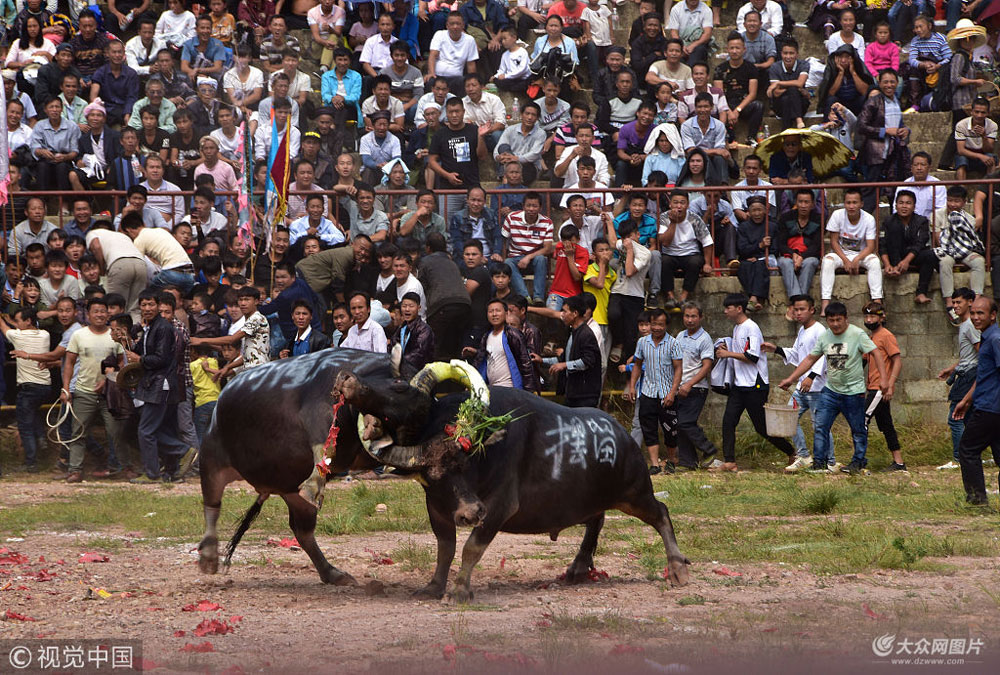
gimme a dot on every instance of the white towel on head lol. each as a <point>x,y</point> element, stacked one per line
<point>673,135</point>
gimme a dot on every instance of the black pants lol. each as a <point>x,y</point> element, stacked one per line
<point>753,115</point>
<point>883,417</point>
<point>690,265</point>
<point>448,325</point>
<point>690,436</point>
<point>751,399</point>
<point>789,106</point>
<point>583,401</point>
<point>652,417</point>
<point>725,242</point>
<point>525,28</point>
<point>982,430</point>
<point>755,278</point>
<point>925,261</point>
<point>340,133</point>
<point>623,315</point>
<point>53,175</point>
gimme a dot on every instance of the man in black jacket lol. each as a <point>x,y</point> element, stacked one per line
<point>159,390</point>
<point>906,242</point>
<point>50,76</point>
<point>307,338</point>
<point>581,360</point>
<point>797,244</point>
<point>100,137</point>
<point>415,338</point>
<point>448,303</point>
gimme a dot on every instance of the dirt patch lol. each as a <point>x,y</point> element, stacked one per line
<point>282,617</point>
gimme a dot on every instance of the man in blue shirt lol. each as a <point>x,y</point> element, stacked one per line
<point>648,228</point>
<point>116,84</point>
<point>981,406</point>
<point>203,55</point>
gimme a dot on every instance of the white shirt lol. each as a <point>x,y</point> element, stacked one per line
<point>228,147</point>
<point>852,236</point>
<point>136,53</point>
<point>770,17</point>
<point>601,198</point>
<point>747,339</point>
<point>497,368</point>
<point>176,28</point>
<point>929,197</point>
<point>418,118</point>
<point>590,229</point>
<point>262,141</point>
<point>19,136</point>
<point>836,40</point>
<point>171,206</point>
<point>413,285</point>
<point>376,51</point>
<point>296,85</point>
<point>634,285</point>
<point>241,89</point>
<point>114,245</point>
<point>685,241</point>
<point>805,339</point>
<point>600,28</point>
<point>681,16</point>
<point>515,65</point>
<point>216,222</point>
<point>369,338</point>
<point>32,340</point>
<point>601,174</point>
<point>452,56</point>
<point>489,110</point>
<point>739,197</point>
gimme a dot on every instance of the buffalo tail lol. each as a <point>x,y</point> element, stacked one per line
<point>248,518</point>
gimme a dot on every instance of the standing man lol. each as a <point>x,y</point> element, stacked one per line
<point>810,388</point>
<point>581,360</point>
<point>159,392</point>
<point>122,264</point>
<point>750,386</point>
<point>843,345</point>
<point>365,334</point>
<point>877,405</point>
<point>962,375</point>
<point>980,407</point>
<point>34,382</point>
<point>699,356</point>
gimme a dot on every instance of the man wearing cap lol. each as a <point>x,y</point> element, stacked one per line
<point>310,148</point>
<point>50,75</point>
<point>12,94</point>
<point>420,141</point>
<point>99,142</point>
<point>116,84</point>
<point>377,148</point>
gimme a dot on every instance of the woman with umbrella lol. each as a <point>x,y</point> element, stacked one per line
<point>883,138</point>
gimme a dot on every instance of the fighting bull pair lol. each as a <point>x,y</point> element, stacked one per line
<point>551,468</point>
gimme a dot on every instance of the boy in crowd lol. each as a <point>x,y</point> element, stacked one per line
<point>961,376</point>
<point>877,404</point>
<point>254,335</point>
<point>698,358</point>
<point>571,265</point>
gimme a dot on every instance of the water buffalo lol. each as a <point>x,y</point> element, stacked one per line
<point>270,426</point>
<point>551,468</point>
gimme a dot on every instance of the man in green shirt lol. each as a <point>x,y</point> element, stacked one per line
<point>843,345</point>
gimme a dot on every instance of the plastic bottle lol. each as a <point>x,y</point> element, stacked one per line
<point>615,19</point>
<point>767,132</point>
<point>128,19</point>
<point>136,166</point>
<point>515,110</point>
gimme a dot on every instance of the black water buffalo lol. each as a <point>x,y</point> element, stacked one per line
<point>554,467</point>
<point>269,428</point>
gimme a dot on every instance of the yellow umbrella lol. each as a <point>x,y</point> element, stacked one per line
<point>828,154</point>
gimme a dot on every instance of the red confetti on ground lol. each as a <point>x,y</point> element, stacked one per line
<point>60,562</point>
<point>871,614</point>
<point>235,619</point>
<point>213,627</point>
<point>543,623</point>
<point>202,648</point>
<point>202,606</point>
<point>43,575</point>
<point>180,633</point>
<point>11,615</point>
<point>620,649</point>
<point>770,630</point>
<point>726,572</point>
<point>503,560</point>
<point>449,652</point>
<point>154,609</point>
<point>287,542</point>
<point>606,636</point>
<point>8,557</point>
<point>93,557</point>
<point>41,558</point>
<point>597,575</point>
<point>378,558</point>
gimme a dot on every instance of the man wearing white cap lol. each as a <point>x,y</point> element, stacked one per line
<point>98,148</point>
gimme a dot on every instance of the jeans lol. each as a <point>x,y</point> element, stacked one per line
<point>636,432</point>
<point>539,266</point>
<point>690,436</point>
<point>809,401</point>
<point>87,407</point>
<point>184,281</point>
<point>30,427</point>
<point>491,139</point>
<point>202,418</point>
<point>797,283</point>
<point>158,438</point>
<point>185,421</point>
<point>852,406</point>
<point>752,400</point>
<point>627,173</point>
<point>954,13</point>
<point>982,430</point>
<point>588,53</point>
<point>957,429</point>
<point>555,302</point>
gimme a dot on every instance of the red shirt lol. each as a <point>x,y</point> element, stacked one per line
<point>563,284</point>
<point>574,18</point>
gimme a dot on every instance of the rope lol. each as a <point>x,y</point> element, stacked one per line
<point>66,410</point>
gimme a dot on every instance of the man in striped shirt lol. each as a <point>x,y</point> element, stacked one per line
<point>928,53</point>
<point>527,241</point>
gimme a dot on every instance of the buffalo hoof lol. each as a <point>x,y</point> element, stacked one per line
<point>461,596</point>
<point>429,592</point>
<point>677,571</point>
<point>208,555</point>
<point>335,577</point>
<point>578,574</point>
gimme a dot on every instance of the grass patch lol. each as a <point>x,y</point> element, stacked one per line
<point>691,600</point>
<point>411,556</point>
<point>822,500</point>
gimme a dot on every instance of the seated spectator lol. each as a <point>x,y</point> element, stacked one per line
<point>29,50</point>
<point>905,241</point>
<point>752,166</point>
<point>975,139</point>
<point>365,218</point>
<point>791,158</point>
<point>315,224</point>
<point>205,221</point>
<point>616,112</point>
<point>721,220</point>
<point>769,14</point>
<point>514,189</point>
<point>752,243</point>
<point>272,48</point>
<point>341,91</point>
<point>522,143</point>
<point>697,171</point>
<point>852,246</point>
<point>362,29</point>
<point>223,23</point>
<point>589,225</point>
<point>99,146</point>
<point>883,52</point>
<point>798,240</point>
<point>185,156</point>
<point>841,124</point>
<point>846,35</point>
<point>597,201</point>
<point>929,194</point>
<point>700,77</point>
<point>262,137</point>
<point>438,95</point>
<point>761,50</point>
<point>670,68</point>
<point>419,139</point>
<point>135,200</point>
<point>376,55</point>
<point>395,177</point>
<point>406,82</point>
<point>632,146</point>
<point>211,163</point>
<point>171,207</point>
<point>902,15</point>
<point>378,148</point>
<point>382,101</point>
<point>502,355</point>
<point>605,86</point>
<point>203,55</point>
<point>528,241</point>
<point>554,39</point>
<point>89,47</point>
<point>205,108</point>
<point>646,228</point>
<point>554,112</point>
<point>55,142</point>
<point>738,79</point>
<point>478,222</point>
<point>645,7</point>
<point>49,78</point>
<point>34,229</point>
<point>155,98</point>
<point>484,19</point>
<point>685,245</point>
<point>311,149</point>
<point>452,52</point>
<point>928,53</point>
<point>326,23</point>
<point>845,80</point>
<point>825,15</point>
<point>176,23</point>
<point>152,139</point>
<point>299,84</point>
<point>664,152</point>
<point>177,86</point>
<point>423,220</point>
<point>666,104</point>
<point>787,91</point>
<point>18,133</point>
<point>405,282</point>
<point>691,22</point>
<point>883,138</point>
<point>243,84</point>
<point>651,49</point>
<point>956,240</point>
<point>705,132</point>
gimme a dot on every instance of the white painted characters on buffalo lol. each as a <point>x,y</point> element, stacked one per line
<point>577,441</point>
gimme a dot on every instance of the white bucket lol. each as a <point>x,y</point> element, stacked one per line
<point>782,420</point>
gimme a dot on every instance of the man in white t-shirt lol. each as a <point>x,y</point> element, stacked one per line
<point>852,247</point>
<point>34,383</point>
<point>124,266</point>
<point>452,51</point>
<point>175,267</point>
<point>750,384</point>
<point>975,139</point>
<point>406,282</point>
<point>931,194</point>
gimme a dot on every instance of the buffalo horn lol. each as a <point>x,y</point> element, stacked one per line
<point>384,450</point>
<point>460,371</point>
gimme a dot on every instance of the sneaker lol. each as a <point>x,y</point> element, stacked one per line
<point>143,479</point>
<point>799,464</point>
<point>669,468</point>
<point>708,460</point>
<point>652,301</point>
<point>815,467</point>
<point>952,464</point>
<point>187,461</point>
<point>894,467</point>
<point>834,468</point>
<point>855,469</point>
<point>653,470</point>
